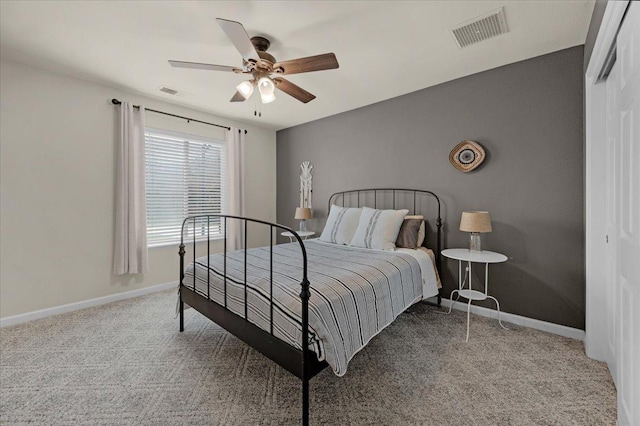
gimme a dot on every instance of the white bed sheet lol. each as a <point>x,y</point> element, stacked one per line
<point>429,279</point>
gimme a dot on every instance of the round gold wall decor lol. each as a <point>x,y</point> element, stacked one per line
<point>466,156</point>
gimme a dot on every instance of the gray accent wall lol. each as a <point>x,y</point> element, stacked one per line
<point>527,116</point>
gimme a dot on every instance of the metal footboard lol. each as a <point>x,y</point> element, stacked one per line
<point>303,363</point>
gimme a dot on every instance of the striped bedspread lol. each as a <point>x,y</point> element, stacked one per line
<point>355,292</point>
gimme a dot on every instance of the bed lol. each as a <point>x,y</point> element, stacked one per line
<point>333,297</point>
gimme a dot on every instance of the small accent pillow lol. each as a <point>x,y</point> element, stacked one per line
<point>408,235</point>
<point>422,232</point>
<point>378,229</point>
<point>341,225</point>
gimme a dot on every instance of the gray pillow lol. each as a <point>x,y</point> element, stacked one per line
<point>408,235</point>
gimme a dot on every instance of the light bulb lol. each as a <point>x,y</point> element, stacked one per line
<point>268,98</point>
<point>245,89</point>
<point>266,86</point>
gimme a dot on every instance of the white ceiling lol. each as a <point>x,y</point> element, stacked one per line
<point>385,49</point>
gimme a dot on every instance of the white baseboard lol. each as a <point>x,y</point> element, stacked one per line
<point>43,313</point>
<point>562,330</point>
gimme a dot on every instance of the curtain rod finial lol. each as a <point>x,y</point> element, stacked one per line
<point>115,101</point>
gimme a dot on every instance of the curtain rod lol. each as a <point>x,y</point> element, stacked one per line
<point>117,102</point>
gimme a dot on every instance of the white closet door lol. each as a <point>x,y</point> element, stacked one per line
<point>612,147</point>
<point>628,252</point>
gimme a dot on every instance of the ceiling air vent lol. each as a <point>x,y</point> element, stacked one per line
<point>168,90</point>
<point>481,28</point>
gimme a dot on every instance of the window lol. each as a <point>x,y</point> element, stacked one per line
<point>185,176</point>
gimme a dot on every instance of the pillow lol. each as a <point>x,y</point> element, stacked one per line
<point>378,229</point>
<point>408,235</point>
<point>341,225</point>
<point>422,232</point>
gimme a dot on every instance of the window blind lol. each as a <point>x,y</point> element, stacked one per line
<point>185,176</point>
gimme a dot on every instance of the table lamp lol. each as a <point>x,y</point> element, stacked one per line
<point>475,223</point>
<point>303,213</point>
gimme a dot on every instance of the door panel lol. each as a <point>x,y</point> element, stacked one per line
<point>629,164</point>
<point>611,211</point>
<point>628,247</point>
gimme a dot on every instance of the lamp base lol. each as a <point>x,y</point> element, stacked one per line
<point>303,225</point>
<point>475,244</point>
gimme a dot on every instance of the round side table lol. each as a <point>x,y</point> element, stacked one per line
<point>304,235</point>
<point>465,255</point>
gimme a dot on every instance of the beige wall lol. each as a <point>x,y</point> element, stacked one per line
<point>57,148</point>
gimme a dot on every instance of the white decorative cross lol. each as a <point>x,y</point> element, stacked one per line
<point>305,184</point>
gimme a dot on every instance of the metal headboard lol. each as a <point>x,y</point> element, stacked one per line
<point>334,197</point>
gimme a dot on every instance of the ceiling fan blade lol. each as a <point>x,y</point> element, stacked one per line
<point>293,90</point>
<point>199,66</point>
<point>238,97</point>
<point>240,39</point>
<point>325,61</point>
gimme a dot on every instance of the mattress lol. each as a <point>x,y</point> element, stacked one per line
<point>355,292</point>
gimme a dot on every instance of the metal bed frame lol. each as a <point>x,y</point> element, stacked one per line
<point>303,363</point>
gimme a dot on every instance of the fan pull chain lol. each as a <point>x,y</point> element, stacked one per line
<point>256,112</point>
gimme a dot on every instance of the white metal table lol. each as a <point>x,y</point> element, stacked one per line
<point>465,255</point>
<point>304,235</point>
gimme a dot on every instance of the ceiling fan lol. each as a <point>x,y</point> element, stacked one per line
<point>261,65</point>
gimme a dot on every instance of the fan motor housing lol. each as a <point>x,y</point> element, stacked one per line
<point>261,44</point>
<point>267,57</point>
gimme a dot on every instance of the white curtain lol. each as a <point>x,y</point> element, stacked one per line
<point>130,252</point>
<point>236,140</point>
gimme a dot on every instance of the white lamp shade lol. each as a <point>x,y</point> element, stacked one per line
<point>303,213</point>
<point>266,86</point>
<point>266,99</point>
<point>475,222</point>
<point>245,88</point>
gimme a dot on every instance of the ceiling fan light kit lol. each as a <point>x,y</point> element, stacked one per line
<point>245,89</point>
<point>260,65</point>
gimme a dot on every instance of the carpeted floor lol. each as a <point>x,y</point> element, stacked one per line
<point>126,363</point>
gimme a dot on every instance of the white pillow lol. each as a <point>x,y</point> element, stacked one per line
<point>341,225</point>
<point>378,229</point>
